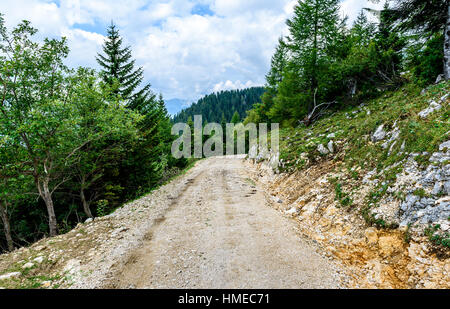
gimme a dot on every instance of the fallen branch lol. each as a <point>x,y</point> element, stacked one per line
<point>317,111</point>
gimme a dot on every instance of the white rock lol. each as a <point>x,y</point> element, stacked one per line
<point>253,152</point>
<point>28,266</point>
<point>431,109</point>
<point>10,275</point>
<point>72,266</point>
<point>392,148</point>
<point>395,134</point>
<point>321,148</point>
<point>439,79</point>
<point>379,134</point>
<point>331,146</point>
<point>443,200</point>
<point>277,199</point>
<point>402,148</point>
<point>292,211</point>
<point>274,161</point>
<point>39,259</point>
<point>88,220</point>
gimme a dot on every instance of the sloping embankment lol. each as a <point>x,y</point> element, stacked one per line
<point>371,185</point>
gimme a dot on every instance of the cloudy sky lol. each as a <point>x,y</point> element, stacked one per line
<point>188,48</point>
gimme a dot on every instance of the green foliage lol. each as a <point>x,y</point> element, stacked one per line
<point>315,29</point>
<point>342,197</point>
<point>102,208</point>
<point>119,73</point>
<point>426,61</point>
<point>72,137</point>
<point>221,106</point>
<point>235,119</point>
<point>321,61</point>
<point>291,104</point>
<point>426,16</point>
<point>407,236</point>
<point>438,239</point>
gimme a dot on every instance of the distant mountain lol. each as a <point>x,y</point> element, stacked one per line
<point>223,104</point>
<point>174,106</point>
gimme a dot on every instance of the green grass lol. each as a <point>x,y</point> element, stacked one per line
<point>341,197</point>
<point>251,182</point>
<point>29,279</point>
<point>420,193</point>
<point>438,239</point>
<point>354,130</point>
<point>353,127</point>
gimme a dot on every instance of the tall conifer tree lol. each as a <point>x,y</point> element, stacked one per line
<point>314,28</point>
<point>118,70</point>
<point>431,16</point>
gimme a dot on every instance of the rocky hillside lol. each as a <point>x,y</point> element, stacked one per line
<point>371,184</point>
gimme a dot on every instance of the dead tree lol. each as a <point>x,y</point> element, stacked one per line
<point>318,111</point>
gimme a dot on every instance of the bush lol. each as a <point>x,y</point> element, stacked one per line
<point>426,63</point>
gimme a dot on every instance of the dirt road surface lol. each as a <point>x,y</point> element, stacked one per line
<point>220,232</point>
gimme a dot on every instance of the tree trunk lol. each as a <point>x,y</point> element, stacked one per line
<point>447,46</point>
<point>86,207</point>
<point>6,226</point>
<point>47,197</point>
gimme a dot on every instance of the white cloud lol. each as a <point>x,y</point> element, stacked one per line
<point>352,8</point>
<point>229,85</point>
<point>184,55</point>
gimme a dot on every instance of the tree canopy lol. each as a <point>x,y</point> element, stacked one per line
<point>222,105</point>
<point>72,137</point>
<point>322,64</point>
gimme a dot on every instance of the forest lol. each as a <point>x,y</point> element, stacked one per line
<point>221,107</point>
<point>74,143</point>
<point>323,65</point>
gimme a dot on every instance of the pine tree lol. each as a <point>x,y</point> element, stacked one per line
<point>236,118</point>
<point>389,46</point>
<point>426,17</point>
<point>313,30</point>
<point>275,76</point>
<point>316,31</point>
<point>362,31</point>
<point>118,70</point>
<point>278,63</point>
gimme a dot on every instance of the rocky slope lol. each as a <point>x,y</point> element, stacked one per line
<point>371,185</point>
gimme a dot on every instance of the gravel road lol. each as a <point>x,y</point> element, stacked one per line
<point>220,231</point>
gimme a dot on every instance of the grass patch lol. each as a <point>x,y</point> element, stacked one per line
<point>397,109</point>
<point>437,239</point>
<point>251,182</point>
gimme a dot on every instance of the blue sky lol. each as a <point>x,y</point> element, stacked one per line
<point>188,48</point>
